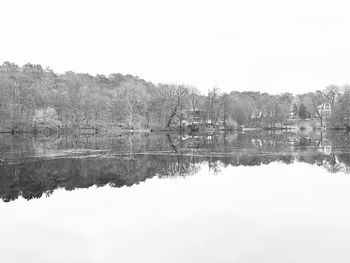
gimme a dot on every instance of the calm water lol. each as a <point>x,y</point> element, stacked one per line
<point>240,197</point>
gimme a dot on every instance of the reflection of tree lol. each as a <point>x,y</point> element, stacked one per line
<point>130,159</point>
<point>32,180</point>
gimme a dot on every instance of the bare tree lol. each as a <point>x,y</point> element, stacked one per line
<point>330,93</point>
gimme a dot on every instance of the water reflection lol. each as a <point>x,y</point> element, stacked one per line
<point>32,167</point>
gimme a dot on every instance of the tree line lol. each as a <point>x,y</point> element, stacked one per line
<point>32,96</point>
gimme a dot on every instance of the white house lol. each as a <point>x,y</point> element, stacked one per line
<point>325,109</point>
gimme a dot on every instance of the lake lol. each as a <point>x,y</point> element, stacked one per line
<point>256,196</point>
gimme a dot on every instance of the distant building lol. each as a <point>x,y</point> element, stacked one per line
<point>325,110</point>
<point>194,116</point>
<point>293,114</point>
<point>256,114</point>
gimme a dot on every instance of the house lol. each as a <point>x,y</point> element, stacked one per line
<point>194,116</point>
<point>325,110</point>
<point>257,114</point>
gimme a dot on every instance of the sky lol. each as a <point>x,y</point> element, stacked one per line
<point>272,45</point>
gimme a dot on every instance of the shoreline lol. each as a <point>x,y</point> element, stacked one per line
<point>106,131</point>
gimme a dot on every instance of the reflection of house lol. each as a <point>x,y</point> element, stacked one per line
<point>325,146</point>
<point>325,110</point>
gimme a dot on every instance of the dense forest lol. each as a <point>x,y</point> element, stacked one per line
<point>32,97</point>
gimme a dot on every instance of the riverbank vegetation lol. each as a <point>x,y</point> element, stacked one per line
<point>34,98</point>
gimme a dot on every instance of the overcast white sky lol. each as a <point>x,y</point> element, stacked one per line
<point>269,45</point>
